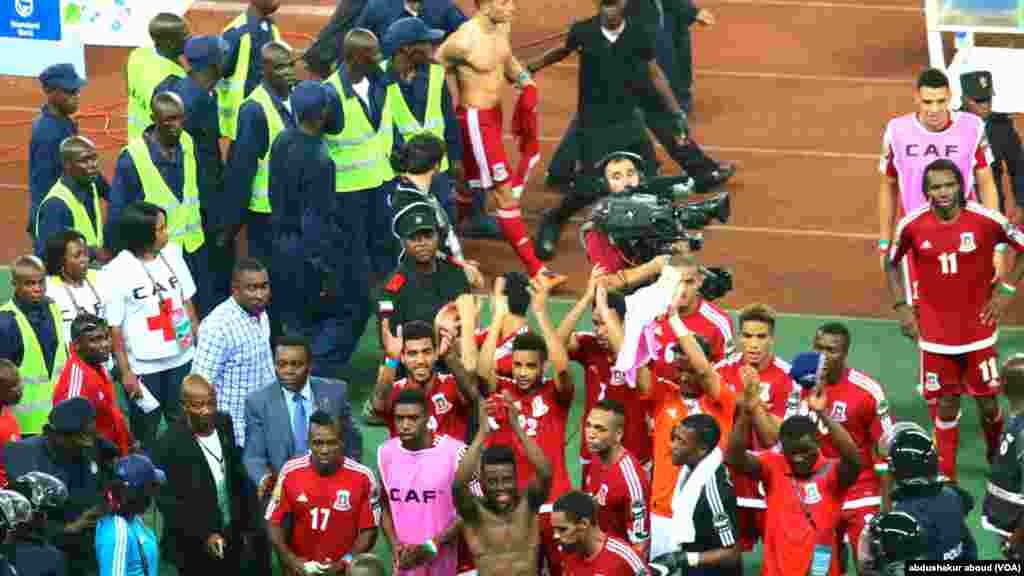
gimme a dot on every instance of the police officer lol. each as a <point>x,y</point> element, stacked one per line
<point>61,84</point>
<point>890,540</point>
<point>360,145</point>
<point>309,251</point>
<point>977,90</point>
<point>70,450</point>
<point>264,114</point>
<point>32,551</point>
<point>73,202</point>
<point>205,55</point>
<point>940,506</point>
<point>246,35</point>
<point>160,168</point>
<point>419,99</point>
<point>148,67</point>
<point>425,279</point>
<point>32,337</point>
<point>1002,511</point>
<point>15,511</point>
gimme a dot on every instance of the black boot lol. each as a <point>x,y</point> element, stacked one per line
<point>550,230</point>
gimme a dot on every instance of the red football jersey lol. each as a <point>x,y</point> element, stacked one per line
<point>503,351</point>
<point>776,389</point>
<point>327,511</point>
<point>543,416</point>
<point>9,432</point>
<point>621,490</point>
<point>449,411</point>
<point>858,403</point>
<point>954,270</point>
<point>709,321</point>
<point>600,383</point>
<point>615,558</point>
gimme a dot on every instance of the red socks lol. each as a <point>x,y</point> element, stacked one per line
<point>511,223</point>
<point>992,430</point>
<point>947,440</point>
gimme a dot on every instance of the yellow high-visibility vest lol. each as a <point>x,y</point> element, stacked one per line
<point>433,117</point>
<point>146,69</point>
<point>93,231</point>
<point>360,153</point>
<point>37,399</point>
<point>260,199</point>
<point>231,90</point>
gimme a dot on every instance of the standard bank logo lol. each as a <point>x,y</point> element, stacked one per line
<point>24,8</point>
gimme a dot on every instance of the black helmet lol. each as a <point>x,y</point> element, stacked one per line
<point>912,456</point>
<point>15,510</point>
<point>894,538</point>
<point>44,491</point>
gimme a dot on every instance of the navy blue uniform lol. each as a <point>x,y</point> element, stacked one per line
<point>1004,501</point>
<point>86,478</point>
<point>310,253</point>
<point>55,216</point>
<point>365,214</point>
<point>259,31</point>
<point>11,345</point>
<point>33,556</point>
<point>415,95</point>
<point>439,14</point>
<point>127,188</point>
<point>942,510</point>
<point>44,164</point>
<point>251,144</point>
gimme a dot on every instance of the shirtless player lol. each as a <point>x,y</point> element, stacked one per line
<point>480,56</point>
<point>502,530</point>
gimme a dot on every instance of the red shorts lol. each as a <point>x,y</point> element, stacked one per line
<point>974,373</point>
<point>484,160</point>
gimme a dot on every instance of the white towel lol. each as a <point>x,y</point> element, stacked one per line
<point>642,307</point>
<point>688,488</point>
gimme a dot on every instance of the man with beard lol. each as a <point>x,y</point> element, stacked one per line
<point>333,503</point>
<point>502,529</point>
<point>86,375</point>
<point>233,352</point>
<point>32,337</point>
<point>70,450</point>
<point>264,114</point>
<point>803,489</point>
<point>617,482</point>
<point>596,351</point>
<point>451,396</point>
<point>11,391</point>
<point>417,470</point>
<point>703,502</point>
<point>586,549</point>
<point>204,469</point>
<point>951,242</point>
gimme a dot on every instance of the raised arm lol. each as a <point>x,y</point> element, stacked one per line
<point>465,502</point>
<point>736,454</point>
<point>698,360</point>
<point>766,425</point>
<point>556,350</point>
<point>849,456</point>
<point>462,358</point>
<point>487,369</point>
<point>540,486</point>
<point>386,373</point>
<point>567,328</point>
<point>612,322</point>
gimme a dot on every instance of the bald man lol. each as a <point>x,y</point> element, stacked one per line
<point>75,202</point>
<point>265,113</point>
<point>163,152</point>
<point>32,338</point>
<point>149,66</point>
<point>210,542</point>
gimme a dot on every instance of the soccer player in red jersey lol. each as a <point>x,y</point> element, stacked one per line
<point>543,403</point>
<point>858,402</point>
<point>618,483</point>
<point>450,396</point>
<point>596,351</point>
<point>333,502</point>
<point>701,317</point>
<point>588,550</point>
<point>803,489</point>
<point>951,243</point>
<point>756,365</point>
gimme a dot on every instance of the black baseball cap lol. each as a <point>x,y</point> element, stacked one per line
<point>415,218</point>
<point>977,85</point>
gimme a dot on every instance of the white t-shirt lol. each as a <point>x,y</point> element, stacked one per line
<point>135,308</point>
<point>362,89</point>
<point>91,296</point>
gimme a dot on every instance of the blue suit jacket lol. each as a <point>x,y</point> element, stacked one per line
<point>269,441</point>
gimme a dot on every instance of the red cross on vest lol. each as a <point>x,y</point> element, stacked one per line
<point>164,320</point>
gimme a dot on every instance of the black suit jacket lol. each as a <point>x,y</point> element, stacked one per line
<point>188,500</point>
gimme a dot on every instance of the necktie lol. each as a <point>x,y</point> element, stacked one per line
<point>299,423</point>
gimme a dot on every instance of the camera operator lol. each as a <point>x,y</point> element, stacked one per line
<point>632,233</point>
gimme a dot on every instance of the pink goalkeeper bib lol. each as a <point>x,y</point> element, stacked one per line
<point>418,486</point>
<point>914,147</point>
